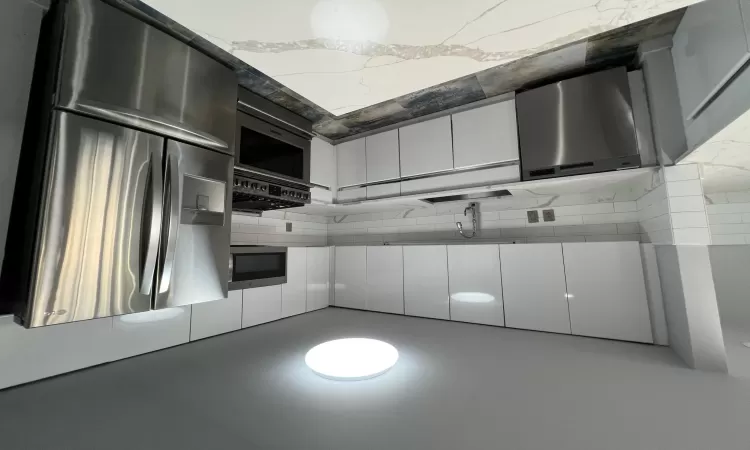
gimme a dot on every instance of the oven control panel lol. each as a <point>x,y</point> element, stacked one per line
<point>269,195</point>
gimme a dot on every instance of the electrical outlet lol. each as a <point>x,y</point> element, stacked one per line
<point>289,226</point>
<point>549,215</point>
<point>533,216</point>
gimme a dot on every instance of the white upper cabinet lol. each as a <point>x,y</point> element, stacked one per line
<point>383,164</point>
<point>485,135</point>
<point>382,156</point>
<point>426,147</point>
<point>709,46</point>
<point>217,317</point>
<point>318,277</point>
<point>261,305</point>
<point>351,163</point>
<point>607,291</point>
<point>351,277</point>
<point>294,291</point>
<point>322,163</point>
<point>385,279</point>
<point>426,281</point>
<point>534,287</point>
<point>476,289</point>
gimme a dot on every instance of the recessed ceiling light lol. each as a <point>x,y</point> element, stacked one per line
<point>351,359</point>
<point>473,297</point>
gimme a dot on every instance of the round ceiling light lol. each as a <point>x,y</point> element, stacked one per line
<point>349,20</point>
<point>351,359</point>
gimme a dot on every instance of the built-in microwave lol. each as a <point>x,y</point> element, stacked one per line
<point>265,149</point>
<point>255,266</point>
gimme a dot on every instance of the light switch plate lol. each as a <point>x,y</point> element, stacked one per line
<point>533,216</point>
<point>549,215</point>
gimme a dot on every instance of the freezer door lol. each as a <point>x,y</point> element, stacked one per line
<point>99,228</point>
<point>121,69</point>
<point>194,254</point>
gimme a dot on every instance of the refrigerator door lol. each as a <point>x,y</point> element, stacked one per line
<point>99,228</point>
<point>194,253</point>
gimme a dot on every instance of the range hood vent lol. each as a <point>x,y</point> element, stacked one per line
<point>577,126</point>
<point>462,197</point>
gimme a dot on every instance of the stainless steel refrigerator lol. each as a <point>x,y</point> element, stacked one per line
<point>122,201</point>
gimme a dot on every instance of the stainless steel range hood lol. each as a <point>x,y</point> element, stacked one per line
<point>576,126</point>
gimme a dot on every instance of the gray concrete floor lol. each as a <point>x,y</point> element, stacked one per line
<point>456,386</point>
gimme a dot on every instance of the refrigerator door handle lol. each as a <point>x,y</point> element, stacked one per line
<point>175,200</point>
<point>154,226</point>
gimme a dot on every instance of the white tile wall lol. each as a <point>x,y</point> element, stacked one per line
<point>729,217</point>
<point>578,218</point>
<point>674,211</point>
<point>307,230</point>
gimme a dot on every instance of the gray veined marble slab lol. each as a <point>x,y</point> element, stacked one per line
<point>561,57</point>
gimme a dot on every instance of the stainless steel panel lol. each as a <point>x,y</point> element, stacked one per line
<point>196,185</point>
<point>90,237</point>
<point>118,67</point>
<point>583,120</point>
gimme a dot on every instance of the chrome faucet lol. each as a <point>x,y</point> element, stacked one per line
<point>473,208</point>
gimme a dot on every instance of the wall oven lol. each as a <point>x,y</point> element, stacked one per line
<point>255,266</point>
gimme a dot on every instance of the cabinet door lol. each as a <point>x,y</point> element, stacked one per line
<point>351,163</point>
<point>261,305</point>
<point>382,156</point>
<point>476,289</point>
<point>33,354</point>
<point>144,332</point>
<point>294,291</point>
<point>318,274</point>
<point>426,281</point>
<point>485,135</point>
<point>709,46</point>
<point>606,290</point>
<point>322,163</point>
<point>350,287</point>
<point>217,317</point>
<point>385,279</point>
<point>534,287</point>
<point>426,147</point>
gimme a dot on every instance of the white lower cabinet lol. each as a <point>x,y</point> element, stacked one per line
<point>534,287</point>
<point>217,317</point>
<point>261,305</point>
<point>385,279</point>
<point>426,281</point>
<point>476,289</point>
<point>318,277</point>
<point>138,333</point>
<point>294,291</point>
<point>606,291</point>
<point>29,355</point>
<point>350,290</point>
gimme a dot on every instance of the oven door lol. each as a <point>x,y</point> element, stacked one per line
<point>272,151</point>
<point>251,266</point>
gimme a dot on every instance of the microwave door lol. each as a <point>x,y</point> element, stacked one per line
<point>194,249</point>
<point>99,224</point>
